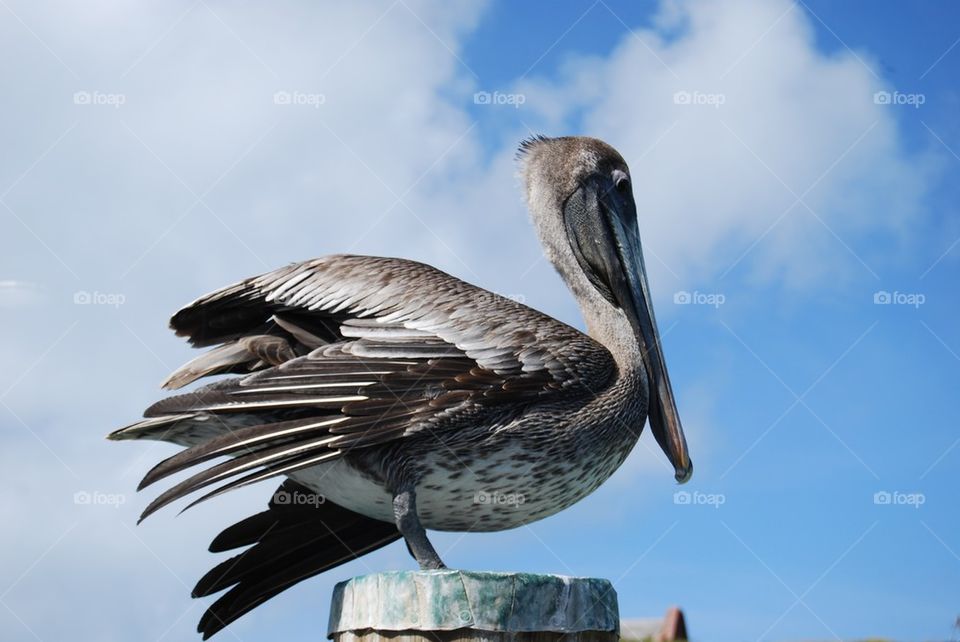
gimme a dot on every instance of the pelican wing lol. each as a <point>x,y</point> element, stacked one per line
<point>395,300</point>
<point>351,352</point>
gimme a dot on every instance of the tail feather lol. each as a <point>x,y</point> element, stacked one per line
<point>300,535</point>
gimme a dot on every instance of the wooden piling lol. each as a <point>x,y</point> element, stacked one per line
<point>462,606</point>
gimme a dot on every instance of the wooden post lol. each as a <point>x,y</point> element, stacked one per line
<point>461,606</point>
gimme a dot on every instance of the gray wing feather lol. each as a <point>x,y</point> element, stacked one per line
<point>353,352</point>
<point>374,292</point>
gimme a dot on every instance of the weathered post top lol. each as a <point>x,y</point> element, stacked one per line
<point>450,605</point>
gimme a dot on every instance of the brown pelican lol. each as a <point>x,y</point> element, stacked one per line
<point>396,398</point>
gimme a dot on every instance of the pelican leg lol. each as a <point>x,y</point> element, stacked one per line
<point>408,523</point>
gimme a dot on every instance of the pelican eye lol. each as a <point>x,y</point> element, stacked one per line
<point>622,182</point>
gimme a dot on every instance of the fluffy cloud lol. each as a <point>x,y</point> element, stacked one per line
<point>155,153</point>
<point>750,148</point>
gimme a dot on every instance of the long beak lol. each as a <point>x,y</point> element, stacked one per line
<point>632,292</point>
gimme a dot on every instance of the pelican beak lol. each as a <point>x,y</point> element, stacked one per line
<point>632,292</point>
<point>602,221</point>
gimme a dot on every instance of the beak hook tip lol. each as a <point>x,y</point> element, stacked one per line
<point>683,475</point>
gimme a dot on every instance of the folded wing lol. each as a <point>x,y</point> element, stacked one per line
<point>351,352</point>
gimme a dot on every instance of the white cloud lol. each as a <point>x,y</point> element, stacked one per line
<point>101,191</point>
<point>18,294</point>
<point>726,123</point>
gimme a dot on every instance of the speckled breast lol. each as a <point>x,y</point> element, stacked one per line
<point>515,474</point>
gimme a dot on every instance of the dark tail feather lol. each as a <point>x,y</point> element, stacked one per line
<point>299,536</point>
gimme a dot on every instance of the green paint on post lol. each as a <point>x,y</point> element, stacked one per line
<point>448,599</point>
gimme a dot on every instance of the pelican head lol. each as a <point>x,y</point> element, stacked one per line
<point>581,199</point>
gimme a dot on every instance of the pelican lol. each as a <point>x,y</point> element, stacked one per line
<point>395,398</point>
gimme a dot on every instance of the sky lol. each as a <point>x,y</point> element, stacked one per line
<point>795,168</point>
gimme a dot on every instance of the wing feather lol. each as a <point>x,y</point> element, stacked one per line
<point>353,352</point>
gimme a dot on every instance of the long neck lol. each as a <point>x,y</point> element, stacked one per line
<point>605,322</point>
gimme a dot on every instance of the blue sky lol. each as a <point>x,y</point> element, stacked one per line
<point>148,161</point>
